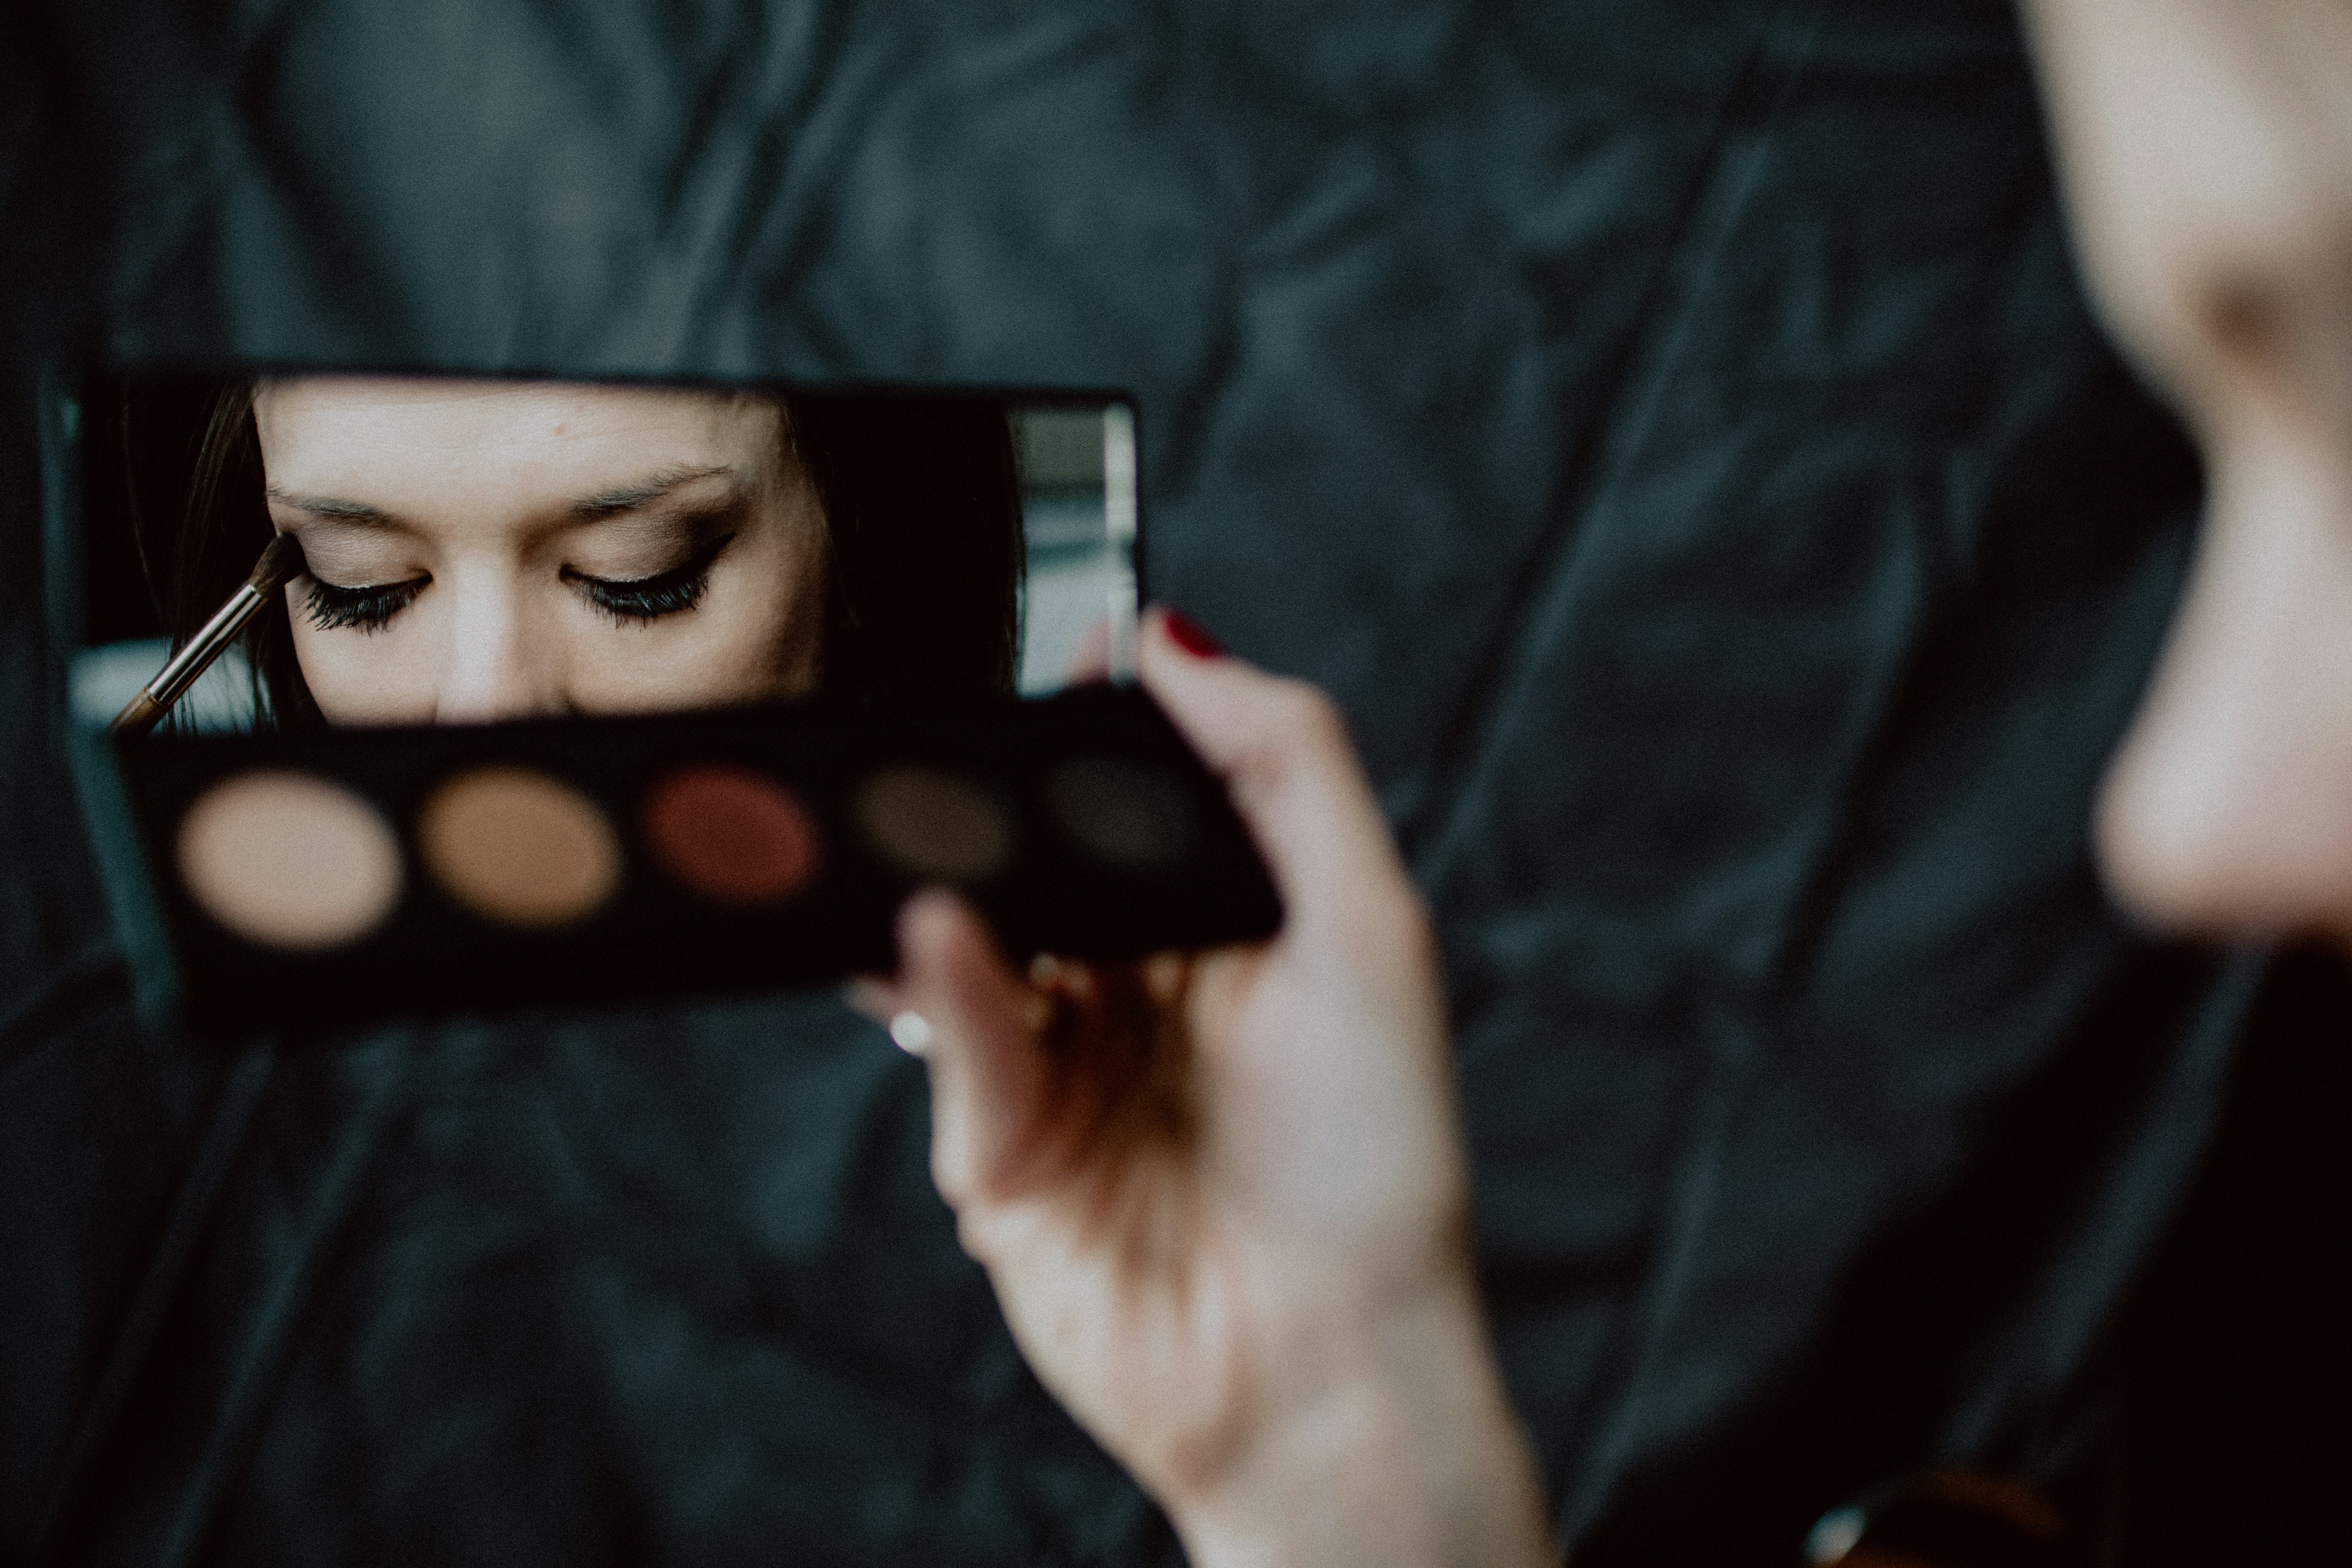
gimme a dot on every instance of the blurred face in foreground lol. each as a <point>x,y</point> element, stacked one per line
<point>2207,148</point>
<point>488,550</point>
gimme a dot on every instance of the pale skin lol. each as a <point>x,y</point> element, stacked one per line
<point>1248,1273</point>
<point>2206,148</point>
<point>497,550</point>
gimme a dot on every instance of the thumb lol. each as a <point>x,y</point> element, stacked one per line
<point>989,1083</point>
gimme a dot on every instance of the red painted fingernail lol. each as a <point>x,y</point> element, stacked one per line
<point>1192,635</point>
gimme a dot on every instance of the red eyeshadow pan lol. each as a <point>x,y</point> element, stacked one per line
<point>731,834</point>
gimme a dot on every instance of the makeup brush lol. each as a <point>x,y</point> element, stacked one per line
<point>280,561</point>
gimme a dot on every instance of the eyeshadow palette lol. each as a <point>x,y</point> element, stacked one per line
<point>326,880</point>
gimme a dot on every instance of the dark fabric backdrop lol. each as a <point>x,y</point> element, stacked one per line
<point>1674,432</point>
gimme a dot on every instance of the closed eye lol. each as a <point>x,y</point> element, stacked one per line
<point>366,608</point>
<point>645,599</point>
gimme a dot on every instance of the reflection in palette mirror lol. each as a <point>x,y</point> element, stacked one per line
<point>475,551</point>
<point>406,697</point>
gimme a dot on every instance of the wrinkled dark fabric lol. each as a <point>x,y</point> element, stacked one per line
<point>1672,431</point>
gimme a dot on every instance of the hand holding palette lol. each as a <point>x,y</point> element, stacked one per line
<point>336,879</point>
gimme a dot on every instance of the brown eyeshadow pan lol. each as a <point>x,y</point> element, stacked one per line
<point>520,847</point>
<point>934,825</point>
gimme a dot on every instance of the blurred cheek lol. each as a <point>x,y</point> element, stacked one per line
<point>377,679</point>
<point>719,655</point>
<point>2228,809</point>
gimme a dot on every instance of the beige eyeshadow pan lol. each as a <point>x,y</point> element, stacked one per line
<point>520,847</point>
<point>290,860</point>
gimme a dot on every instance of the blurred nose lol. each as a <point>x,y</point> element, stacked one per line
<point>2228,809</point>
<point>493,668</point>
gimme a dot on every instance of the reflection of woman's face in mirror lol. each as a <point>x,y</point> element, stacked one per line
<point>482,550</point>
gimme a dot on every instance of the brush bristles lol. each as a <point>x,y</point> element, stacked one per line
<point>278,563</point>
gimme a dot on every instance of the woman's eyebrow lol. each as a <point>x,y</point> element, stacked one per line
<point>629,497</point>
<point>341,510</point>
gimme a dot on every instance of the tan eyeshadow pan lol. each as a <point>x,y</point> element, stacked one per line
<point>290,860</point>
<point>520,847</point>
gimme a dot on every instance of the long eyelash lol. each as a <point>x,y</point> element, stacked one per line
<point>370,608</point>
<point>645,599</point>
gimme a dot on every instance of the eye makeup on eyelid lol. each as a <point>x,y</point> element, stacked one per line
<point>626,597</point>
<point>648,598</point>
<point>370,608</point>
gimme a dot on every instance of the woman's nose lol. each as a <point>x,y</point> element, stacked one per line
<point>493,666</point>
<point>2228,810</point>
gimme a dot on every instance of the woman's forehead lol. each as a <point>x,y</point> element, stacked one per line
<point>316,428</point>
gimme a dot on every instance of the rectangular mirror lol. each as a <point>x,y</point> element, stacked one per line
<point>483,551</point>
<point>401,696</point>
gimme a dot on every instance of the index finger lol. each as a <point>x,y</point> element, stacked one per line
<point>1284,752</point>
